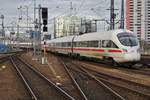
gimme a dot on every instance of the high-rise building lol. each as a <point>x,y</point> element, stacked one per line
<point>138,18</point>
<point>67,25</point>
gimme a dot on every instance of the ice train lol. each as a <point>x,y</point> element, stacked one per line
<point>119,46</point>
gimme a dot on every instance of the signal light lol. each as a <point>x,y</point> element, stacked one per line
<point>45,18</point>
<point>44,13</point>
<point>44,28</point>
<point>44,22</point>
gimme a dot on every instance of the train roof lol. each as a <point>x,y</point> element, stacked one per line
<point>106,35</point>
<point>90,36</point>
<point>62,39</point>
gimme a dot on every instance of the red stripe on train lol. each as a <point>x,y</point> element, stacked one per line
<point>111,50</point>
<point>83,49</point>
<point>87,49</point>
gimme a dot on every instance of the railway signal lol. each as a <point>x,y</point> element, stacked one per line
<point>45,18</point>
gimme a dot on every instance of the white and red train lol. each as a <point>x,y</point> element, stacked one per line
<point>119,46</point>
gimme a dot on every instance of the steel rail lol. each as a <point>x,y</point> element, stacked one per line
<point>103,84</point>
<point>100,82</point>
<point>106,80</point>
<point>8,55</point>
<point>47,80</point>
<point>74,81</point>
<point>3,59</point>
<point>133,90</point>
<point>24,80</point>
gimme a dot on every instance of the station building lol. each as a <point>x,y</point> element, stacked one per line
<point>73,25</point>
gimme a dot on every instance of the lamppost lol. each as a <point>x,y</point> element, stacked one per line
<point>27,16</point>
<point>18,25</point>
<point>27,21</point>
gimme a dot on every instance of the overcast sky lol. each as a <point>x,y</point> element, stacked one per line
<point>58,8</point>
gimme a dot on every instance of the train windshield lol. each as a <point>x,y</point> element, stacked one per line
<point>127,39</point>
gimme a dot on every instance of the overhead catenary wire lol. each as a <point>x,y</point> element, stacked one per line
<point>81,5</point>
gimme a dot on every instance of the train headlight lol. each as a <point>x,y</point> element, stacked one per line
<point>125,50</point>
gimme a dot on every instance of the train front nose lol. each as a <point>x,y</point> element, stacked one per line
<point>133,55</point>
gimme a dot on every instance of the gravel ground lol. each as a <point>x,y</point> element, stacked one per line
<point>142,79</point>
<point>11,86</point>
<point>145,60</point>
<point>50,70</point>
<point>55,72</point>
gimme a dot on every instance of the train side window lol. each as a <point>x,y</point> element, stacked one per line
<point>103,43</point>
<point>59,44</point>
<point>75,44</point>
<point>83,44</point>
<point>106,43</point>
<point>55,44</point>
<point>100,45</point>
<point>113,45</point>
<point>68,44</point>
<point>63,44</point>
<point>93,43</point>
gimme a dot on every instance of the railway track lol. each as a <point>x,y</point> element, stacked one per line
<point>145,60</point>
<point>37,84</point>
<point>3,59</point>
<point>60,76</point>
<point>141,71</point>
<point>93,88</point>
<point>83,96</point>
<point>137,70</point>
<point>136,88</point>
<point>5,56</point>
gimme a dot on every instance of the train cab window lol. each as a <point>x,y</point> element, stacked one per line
<point>127,39</point>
